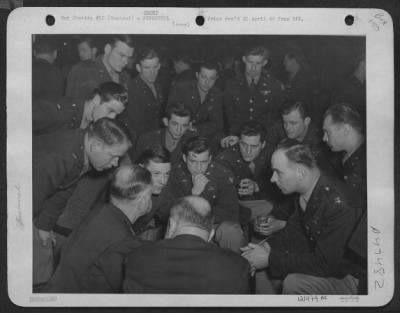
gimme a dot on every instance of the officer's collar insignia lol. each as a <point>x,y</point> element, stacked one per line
<point>337,200</point>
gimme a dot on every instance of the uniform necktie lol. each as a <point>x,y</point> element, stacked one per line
<point>253,83</point>
<point>302,203</point>
<point>153,90</point>
<point>252,167</point>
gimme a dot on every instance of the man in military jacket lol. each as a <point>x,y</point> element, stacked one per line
<point>256,95</point>
<point>49,115</point>
<point>198,175</point>
<point>344,132</point>
<point>309,253</point>
<point>59,162</point>
<point>177,131</point>
<point>87,75</point>
<point>145,97</point>
<point>249,161</point>
<point>204,100</point>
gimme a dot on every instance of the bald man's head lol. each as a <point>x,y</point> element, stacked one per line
<point>194,211</point>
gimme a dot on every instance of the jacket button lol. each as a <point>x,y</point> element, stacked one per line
<point>251,100</point>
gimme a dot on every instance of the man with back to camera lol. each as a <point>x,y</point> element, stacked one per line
<point>344,132</point>
<point>59,162</point>
<point>145,96</point>
<point>86,76</point>
<point>92,258</point>
<point>156,159</point>
<point>107,100</point>
<point>198,175</point>
<point>308,255</point>
<point>186,262</point>
<point>255,95</point>
<point>178,128</point>
<point>203,99</point>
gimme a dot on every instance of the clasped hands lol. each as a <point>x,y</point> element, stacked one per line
<point>257,255</point>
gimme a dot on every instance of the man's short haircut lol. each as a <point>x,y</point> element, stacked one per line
<point>111,91</point>
<point>156,153</point>
<point>147,54</point>
<point>344,114</point>
<point>126,39</point>
<point>89,40</point>
<point>184,211</point>
<point>178,108</point>
<point>258,50</point>
<point>128,181</point>
<point>209,65</point>
<point>253,128</point>
<point>302,107</point>
<point>110,132</point>
<point>44,44</point>
<point>297,152</point>
<point>184,58</point>
<point>196,145</point>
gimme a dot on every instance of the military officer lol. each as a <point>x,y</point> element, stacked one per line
<point>144,110</point>
<point>204,100</point>
<point>309,253</point>
<point>344,132</point>
<point>256,95</point>
<point>249,161</point>
<point>87,75</point>
<point>198,175</point>
<point>177,130</point>
<point>107,100</point>
<point>59,161</point>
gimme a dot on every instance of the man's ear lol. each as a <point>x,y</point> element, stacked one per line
<point>197,75</point>
<point>307,121</point>
<point>346,129</point>
<point>211,235</point>
<point>95,145</point>
<point>165,121</point>
<point>263,144</point>
<point>170,228</point>
<point>184,158</point>
<point>300,172</point>
<point>138,68</point>
<point>265,62</point>
<point>244,59</point>
<point>107,49</point>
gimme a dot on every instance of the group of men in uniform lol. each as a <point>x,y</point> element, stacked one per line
<point>118,165</point>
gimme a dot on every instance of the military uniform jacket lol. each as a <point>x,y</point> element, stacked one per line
<point>47,80</point>
<point>58,161</point>
<point>232,159</point>
<point>185,264</point>
<point>49,115</point>
<point>314,242</point>
<point>144,111</point>
<point>85,76</point>
<point>262,103</point>
<point>220,191</point>
<point>207,117</point>
<point>92,258</point>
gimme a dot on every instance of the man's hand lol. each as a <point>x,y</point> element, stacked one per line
<point>257,255</point>
<point>47,237</point>
<point>199,183</point>
<point>247,187</point>
<point>229,141</point>
<point>267,228</point>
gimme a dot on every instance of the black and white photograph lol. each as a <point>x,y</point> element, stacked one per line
<point>181,155</point>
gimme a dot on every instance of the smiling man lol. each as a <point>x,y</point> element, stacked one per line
<point>59,161</point>
<point>106,100</point>
<point>177,130</point>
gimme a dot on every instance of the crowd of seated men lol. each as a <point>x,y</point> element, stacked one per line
<point>148,185</point>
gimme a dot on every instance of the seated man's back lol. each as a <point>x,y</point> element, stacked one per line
<point>186,263</point>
